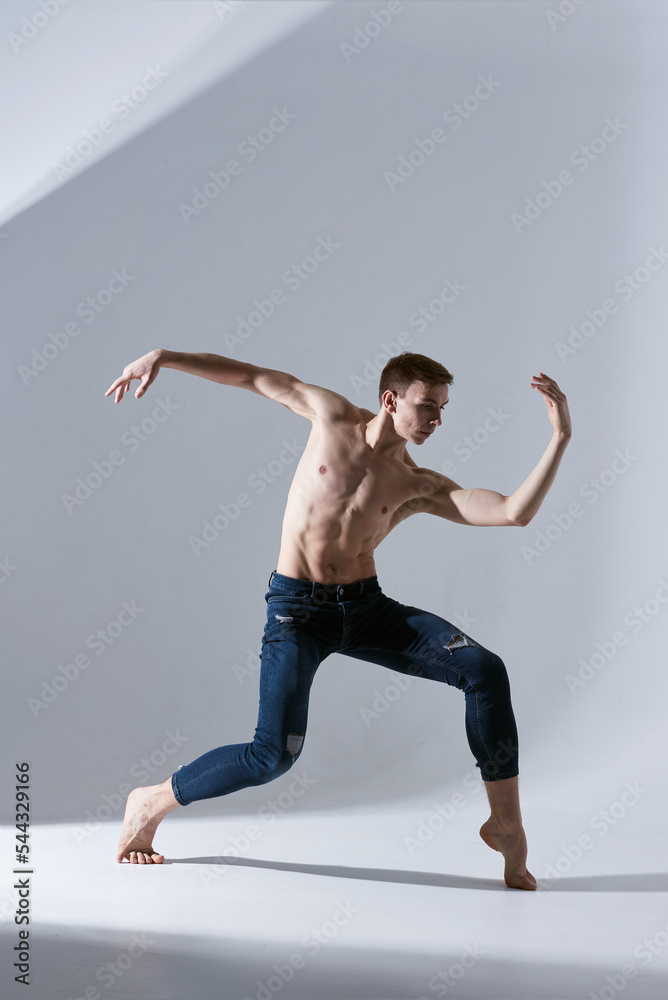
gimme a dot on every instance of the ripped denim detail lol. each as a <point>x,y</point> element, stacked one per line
<point>460,640</point>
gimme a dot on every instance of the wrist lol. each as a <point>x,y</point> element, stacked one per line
<point>162,356</point>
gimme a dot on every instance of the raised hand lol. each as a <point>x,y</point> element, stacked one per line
<point>557,406</point>
<point>145,368</point>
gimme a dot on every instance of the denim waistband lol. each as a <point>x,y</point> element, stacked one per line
<point>326,591</point>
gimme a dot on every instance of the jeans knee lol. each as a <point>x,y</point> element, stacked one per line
<point>272,761</point>
<point>492,676</point>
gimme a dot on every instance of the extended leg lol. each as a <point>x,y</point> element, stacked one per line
<point>288,664</point>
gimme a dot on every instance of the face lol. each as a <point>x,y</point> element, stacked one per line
<point>418,413</point>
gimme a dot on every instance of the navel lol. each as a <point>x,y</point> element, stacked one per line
<point>323,468</point>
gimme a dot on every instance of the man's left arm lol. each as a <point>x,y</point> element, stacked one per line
<point>486,508</point>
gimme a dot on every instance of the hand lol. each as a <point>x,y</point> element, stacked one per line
<point>145,368</point>
<point>557,407</point>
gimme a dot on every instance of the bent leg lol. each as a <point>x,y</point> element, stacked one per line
<point>412,641</point>
<point>288,662</point>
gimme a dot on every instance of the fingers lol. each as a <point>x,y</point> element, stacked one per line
<point>119,386</point>
<point>114,385</point>
<point>546,384</point>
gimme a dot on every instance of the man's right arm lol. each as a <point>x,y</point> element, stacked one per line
<point>311,401</point>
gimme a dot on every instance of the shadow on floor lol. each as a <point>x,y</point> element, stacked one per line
<point>641,882</point>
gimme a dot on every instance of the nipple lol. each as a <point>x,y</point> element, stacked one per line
<point>323,468</point>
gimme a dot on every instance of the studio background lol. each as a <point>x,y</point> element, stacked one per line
<point>348,120</point>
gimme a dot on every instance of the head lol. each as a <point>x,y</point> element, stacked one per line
<point>413,389</point>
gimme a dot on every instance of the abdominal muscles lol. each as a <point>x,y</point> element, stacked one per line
<point>339,508</point>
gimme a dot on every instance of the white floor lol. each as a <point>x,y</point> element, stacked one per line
<point>353,906</point>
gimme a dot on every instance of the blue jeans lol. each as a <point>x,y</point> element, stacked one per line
<point>306,621</point>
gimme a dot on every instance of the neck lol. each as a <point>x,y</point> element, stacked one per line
<point>382,437</point>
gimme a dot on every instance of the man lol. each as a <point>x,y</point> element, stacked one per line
<point>354,483</point>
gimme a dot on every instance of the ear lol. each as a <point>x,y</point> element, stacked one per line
<point>390,400</point>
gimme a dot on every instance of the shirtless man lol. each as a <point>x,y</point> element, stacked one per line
<point>354,483</point>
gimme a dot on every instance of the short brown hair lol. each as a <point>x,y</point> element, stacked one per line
<point>402,370</point>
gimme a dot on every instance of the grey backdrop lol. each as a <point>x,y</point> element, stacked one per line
<point>186,663</point>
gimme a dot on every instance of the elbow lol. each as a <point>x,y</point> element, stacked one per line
<point>518,520</point>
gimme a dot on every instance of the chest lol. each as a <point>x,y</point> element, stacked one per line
<point>339,465</point>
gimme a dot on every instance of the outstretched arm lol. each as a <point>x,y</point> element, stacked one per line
<point>311,401</point>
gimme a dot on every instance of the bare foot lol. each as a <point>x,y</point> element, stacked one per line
<point>512,843</point>
<point>144,810</point>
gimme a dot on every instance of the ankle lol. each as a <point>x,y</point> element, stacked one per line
<point>508,823</point>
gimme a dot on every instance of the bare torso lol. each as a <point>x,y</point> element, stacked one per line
<point>344,500</point>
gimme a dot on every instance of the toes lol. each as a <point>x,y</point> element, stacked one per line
<point>147,856</point>
<point>522,880</point>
